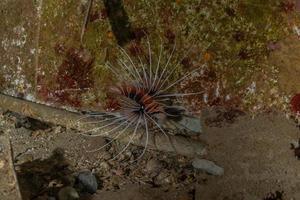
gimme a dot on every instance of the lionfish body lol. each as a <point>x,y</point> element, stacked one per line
<point>135,100</point>
<point>143,98</point>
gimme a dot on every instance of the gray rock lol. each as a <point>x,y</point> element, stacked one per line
<point>207,166</point>
<point>68,193</point>
<point>186,124</point>
<point>87,182</point>
<point>191,123</point>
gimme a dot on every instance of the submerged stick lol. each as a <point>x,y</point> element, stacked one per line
<point>86,20</point>
<point>157,141</point>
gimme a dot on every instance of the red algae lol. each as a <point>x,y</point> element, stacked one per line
<point>169,34</point>
<point>98,15</point>
<point>111,104</point>
<point>72,78</point>
<point>135,49</point>
<point>295,103</point>
<point>76,69</point>
<point>287,6</point>
<point>139,33</point>
<point>186,62</point>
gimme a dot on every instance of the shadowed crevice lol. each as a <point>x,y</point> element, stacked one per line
<point>119,21</point>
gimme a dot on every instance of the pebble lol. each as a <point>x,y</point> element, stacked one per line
<point>68,193</point>
<point>128,153</point>
<point>164,178</point>
<point>27,157</point>
<point>104,166</point>
<point>207,166</point>
<point>105,155</point>
<point>154,165</point>
<point>87,182</point>
<point>58,129</point>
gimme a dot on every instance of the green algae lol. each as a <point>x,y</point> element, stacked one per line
<point>230,37</point>
<point>237,33</point>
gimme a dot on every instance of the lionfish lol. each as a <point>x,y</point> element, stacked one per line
<point>144,98</point>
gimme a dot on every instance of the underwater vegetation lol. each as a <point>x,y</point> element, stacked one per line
<point>234,47</point>
<point>233,38</point>
<point>295,104</point>
<point>72,79</point>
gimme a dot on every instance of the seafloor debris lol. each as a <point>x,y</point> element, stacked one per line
<point>27,122</point>
<point>68,193</point>
<point>223,116</point>
<point>296,148</point>
<point>175,144</point>
<point>278,195</point>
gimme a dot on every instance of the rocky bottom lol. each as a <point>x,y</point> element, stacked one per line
<point>247,159</point>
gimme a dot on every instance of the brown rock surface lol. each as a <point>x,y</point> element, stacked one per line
<point>9,189</point>
<point>287,58</point>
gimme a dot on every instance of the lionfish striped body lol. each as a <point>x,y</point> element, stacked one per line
<point>135,101</point>
<point>143,98</point>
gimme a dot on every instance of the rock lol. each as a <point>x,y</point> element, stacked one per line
<point>87,182</point>
<point>181,121</point>
<point>164,177</point>
<point>68,193</point>
<point>27,157</point>
<point>104,166</point>
<point>58,129</point>
<point>28,122</point>
<point>154,166</point>
<point>191,123</point>
<point>105,155</point>
<point>207,166</point>
<point>128,153</point>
